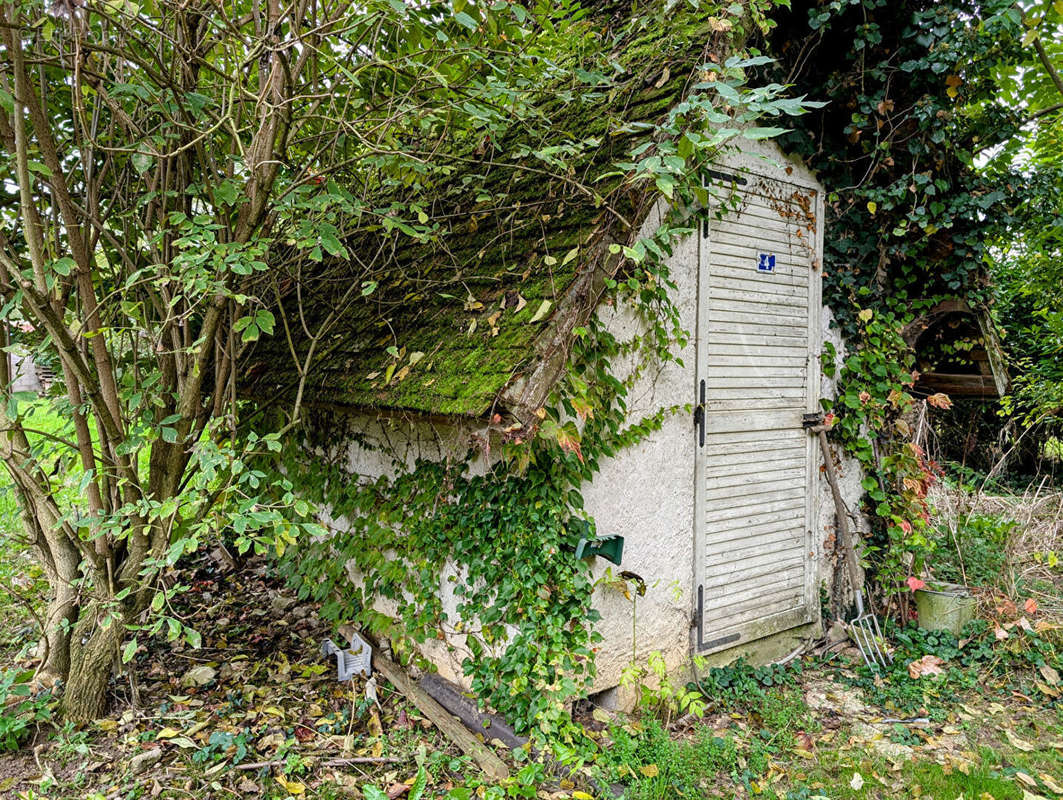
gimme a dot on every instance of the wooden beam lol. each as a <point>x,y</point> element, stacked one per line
<point>957,385</point>
<point>450,725</point>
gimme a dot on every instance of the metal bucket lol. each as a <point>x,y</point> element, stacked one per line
<point>945,607</point>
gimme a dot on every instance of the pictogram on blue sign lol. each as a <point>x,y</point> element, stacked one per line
<point>765,262</point>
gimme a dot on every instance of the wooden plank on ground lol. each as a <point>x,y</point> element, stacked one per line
<point>450,725</point>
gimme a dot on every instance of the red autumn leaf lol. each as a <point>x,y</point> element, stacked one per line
<point>915,583</point>
<point>570,442</point>
<point>1030,605</point>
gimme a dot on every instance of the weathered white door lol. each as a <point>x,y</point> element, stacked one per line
<point>757,376</point>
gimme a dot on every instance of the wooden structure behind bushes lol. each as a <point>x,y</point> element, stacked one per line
<point>957,352</point>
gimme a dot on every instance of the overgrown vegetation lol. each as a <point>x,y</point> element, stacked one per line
<point>506,538</point>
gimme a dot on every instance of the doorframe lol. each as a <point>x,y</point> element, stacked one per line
<point>743,167</point>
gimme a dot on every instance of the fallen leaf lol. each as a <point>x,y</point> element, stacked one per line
<point>1018,743</point>
<point>198,676</point>
<point>1000,633</point>
<point>167,733</point>
<point>183,742</point>
<point>927,665</point>
<point>1050,782</point>
<point>1028,795</point>
<point>857,783</point>
<point>1050,674</point>
<point>1029,780</point>
<point>649,770</point>
<point>939,400</point>
<point>542,312</point>
<point>1030,606</point>
<point>915,583</point>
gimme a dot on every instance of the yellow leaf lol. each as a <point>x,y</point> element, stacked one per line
<point>1028,795</point>
<point>1029,780</point>
<point>1018,743</point>
<point>872,207</point>
<point>273,710</point>
<point>541,313</point>
<point>1050,782</point>
<point>578,795</point>
<point>865,314</point>
<point>167,733</point>
<point>649,770</point>
<point>292,787</point>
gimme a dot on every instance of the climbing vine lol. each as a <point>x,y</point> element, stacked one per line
<point>870,418</point>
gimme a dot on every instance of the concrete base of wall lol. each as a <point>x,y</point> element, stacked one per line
<point>757,652</point>
<point>768,649</point>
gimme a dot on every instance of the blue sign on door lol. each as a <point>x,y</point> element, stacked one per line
<point>765,262</point>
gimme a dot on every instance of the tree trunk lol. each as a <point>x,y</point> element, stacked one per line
<point>93,653</point>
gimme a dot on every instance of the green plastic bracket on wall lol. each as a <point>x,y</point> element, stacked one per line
<point>611,548</point>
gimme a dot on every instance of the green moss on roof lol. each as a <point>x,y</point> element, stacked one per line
<point>467,303</point>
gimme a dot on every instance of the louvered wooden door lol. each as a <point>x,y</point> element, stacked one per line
<point>758,344</point>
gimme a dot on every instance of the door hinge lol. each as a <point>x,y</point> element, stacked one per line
<point>699,415</point>
<point>699,623</point>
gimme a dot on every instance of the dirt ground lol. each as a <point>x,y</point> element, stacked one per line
<point>258,712</point>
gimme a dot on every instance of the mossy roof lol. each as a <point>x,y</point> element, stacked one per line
<point>466,313</point>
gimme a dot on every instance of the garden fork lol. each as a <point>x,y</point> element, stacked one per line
<point>864,629</point>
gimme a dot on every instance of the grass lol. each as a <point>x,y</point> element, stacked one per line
<point>23,587</point>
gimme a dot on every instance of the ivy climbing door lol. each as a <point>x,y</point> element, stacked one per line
<point>757,377</point>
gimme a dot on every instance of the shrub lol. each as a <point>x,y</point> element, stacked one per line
<point>21,711</point>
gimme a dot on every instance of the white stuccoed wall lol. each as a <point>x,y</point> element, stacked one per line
<point>850,476</point>
<point>646,495</point>
<point>25,376</point>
